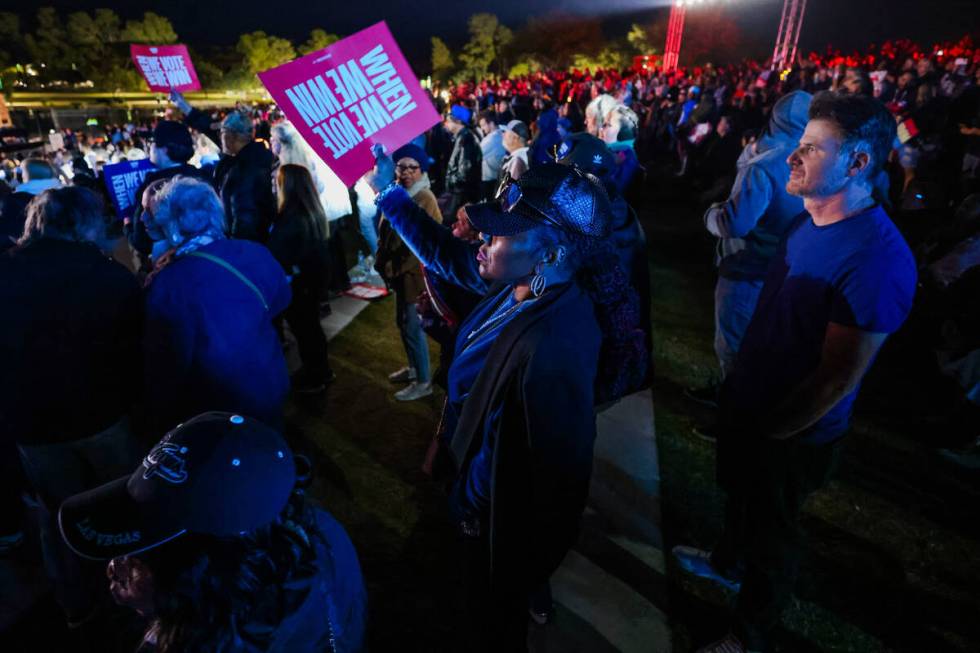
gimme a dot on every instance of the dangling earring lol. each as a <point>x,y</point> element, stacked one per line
<point>538,282</point>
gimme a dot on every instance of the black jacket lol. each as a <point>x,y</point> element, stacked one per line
<point>244,182</point>
<point>300,246</point>
<point>537,382</point>
<point>69,341</point>
<point>536,388</point>
<point>464,170</point>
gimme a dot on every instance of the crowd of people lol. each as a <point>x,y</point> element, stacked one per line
<point>509,235</point>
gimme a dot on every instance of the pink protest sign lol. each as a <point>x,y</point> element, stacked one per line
<point>346,97</point>
<point>165,67</point>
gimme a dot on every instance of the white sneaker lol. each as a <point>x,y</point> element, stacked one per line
<point>404,375</point>
<point>413,391</point>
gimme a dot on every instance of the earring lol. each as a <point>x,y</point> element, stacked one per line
<point>538,282</point>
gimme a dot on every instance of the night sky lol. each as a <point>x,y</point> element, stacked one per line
<point>847,23</point>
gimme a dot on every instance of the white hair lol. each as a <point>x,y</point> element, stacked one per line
<point>188,207</point>
<point>623,118</point>
<point>333,194</point>
<point>600,107</point>
<point>238,122</point>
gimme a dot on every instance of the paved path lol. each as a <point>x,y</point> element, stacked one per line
<point>611,589</point>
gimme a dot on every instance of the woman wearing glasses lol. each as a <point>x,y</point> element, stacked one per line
<point>555,334</point>
<point>401,270</point>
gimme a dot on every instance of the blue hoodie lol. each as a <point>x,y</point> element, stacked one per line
<point>759,211</point>
<point>542,149</point>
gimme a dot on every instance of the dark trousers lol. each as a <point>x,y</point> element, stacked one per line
<point>12,485</point>
<point>496,618</point>
<point>303,316</point>
<point>767,483</point>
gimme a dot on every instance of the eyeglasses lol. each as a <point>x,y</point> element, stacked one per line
<point>402,168</point>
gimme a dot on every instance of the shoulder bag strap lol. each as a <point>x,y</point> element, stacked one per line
<point>231,268</point>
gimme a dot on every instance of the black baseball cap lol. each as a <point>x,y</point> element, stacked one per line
<point>218,474</point>
<point>588,153</point>
<point>551,194</point>
<point>171,132</point>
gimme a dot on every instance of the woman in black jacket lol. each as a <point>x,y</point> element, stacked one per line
<point>298,241</point>
<point>557,329</point>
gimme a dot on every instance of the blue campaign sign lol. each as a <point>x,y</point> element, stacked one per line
<point>122,179</point>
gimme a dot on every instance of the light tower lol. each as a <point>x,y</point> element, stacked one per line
<point>788,35</point>
<point>675,30</point>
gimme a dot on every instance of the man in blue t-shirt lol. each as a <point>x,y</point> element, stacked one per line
<point>842,281</point>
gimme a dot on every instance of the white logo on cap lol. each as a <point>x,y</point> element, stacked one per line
<point>597,159</point>
<point>167,461</point>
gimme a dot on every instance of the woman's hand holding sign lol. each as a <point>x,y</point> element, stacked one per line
<point>383,172</point>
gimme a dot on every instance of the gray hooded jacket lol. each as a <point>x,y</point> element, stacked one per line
<point>752,221</point>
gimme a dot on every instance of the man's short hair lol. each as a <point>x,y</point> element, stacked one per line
<point>488,115</point>
<point>238,122</point>
<point>70,213</point>
<point>864,79</point>
<point>187,207</point>
<point>861,120</point>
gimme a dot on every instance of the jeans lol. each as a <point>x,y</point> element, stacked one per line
<point>767,482</point>
<point>59,471</point>
<point>734,304</point>
<point>413,337</point>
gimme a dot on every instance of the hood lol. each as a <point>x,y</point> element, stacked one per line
<point>788,120</point>
<point>548,120</point>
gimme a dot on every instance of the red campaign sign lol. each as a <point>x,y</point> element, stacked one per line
<point>165,67</point>
<point>346,97</point>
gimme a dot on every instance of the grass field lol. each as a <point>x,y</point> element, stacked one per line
<point>894,557</point>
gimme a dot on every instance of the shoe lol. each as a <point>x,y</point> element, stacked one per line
<point>413,391</point>
<point>707,396</point>
<point>540,618</point>
<point>705,433</point>
<point>304,385</point>
<point>404,375</point>
<point>968,457</point>
<point>728,644</point>
<point>698,562</point>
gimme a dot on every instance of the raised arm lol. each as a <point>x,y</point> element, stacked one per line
<point>435,246</point>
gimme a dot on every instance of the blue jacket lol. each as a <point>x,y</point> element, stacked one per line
<point>333,616</point>
<point>442,254</point>
<point>210,343</point>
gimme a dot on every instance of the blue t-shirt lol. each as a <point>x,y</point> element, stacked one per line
<point>858,272</point>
